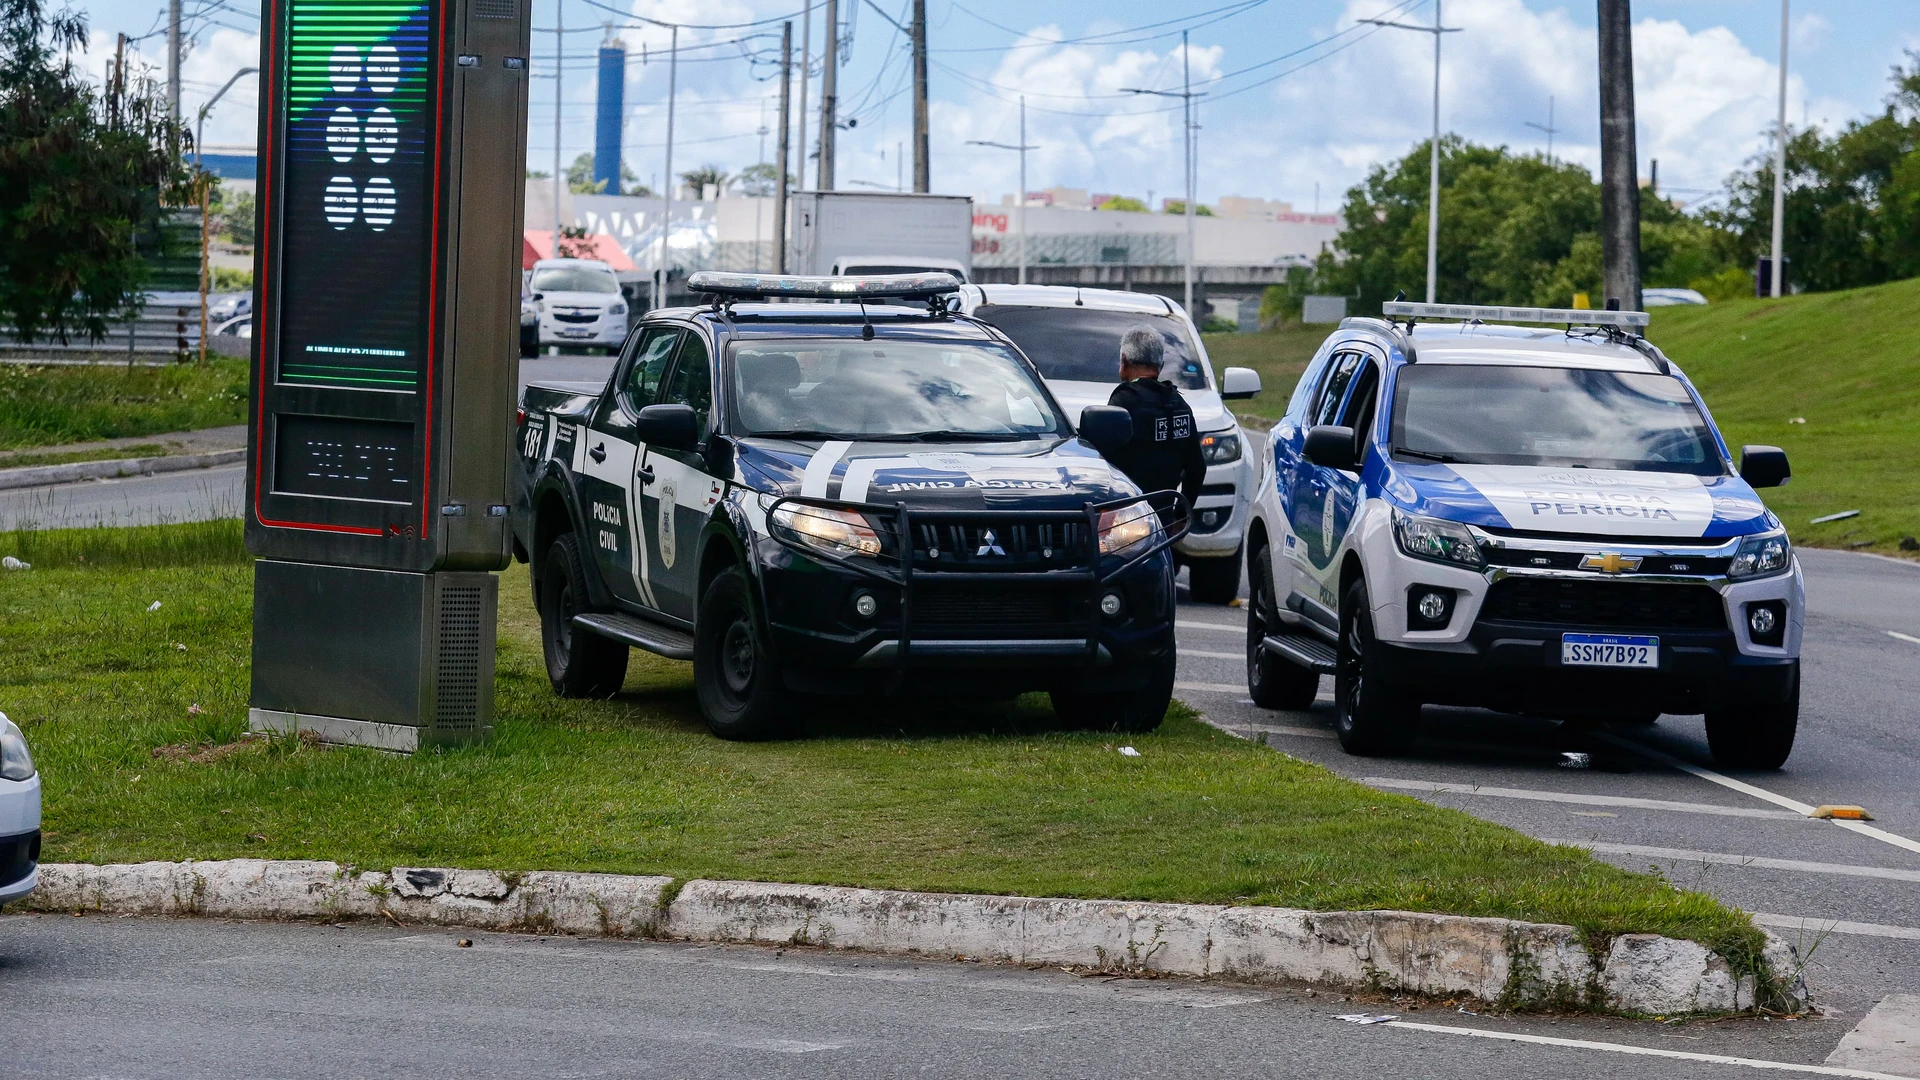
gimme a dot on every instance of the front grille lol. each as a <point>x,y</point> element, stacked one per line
<point>958,604</point>
<point>993,545</point>
<point>577,316</point>
<point>18,855</point>
<point>1698,565</point>
<point>1621,604</point>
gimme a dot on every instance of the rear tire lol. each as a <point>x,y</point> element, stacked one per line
<point>1214,581</point>
<point>1128,710</point>
<point>1372,716</point>
<point>580,663</point>
<point>1756,736</point>
<point>734,674</point>
<point>1273,682</point>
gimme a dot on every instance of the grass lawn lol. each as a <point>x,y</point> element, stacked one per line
<point>135,717</point>
<point>1279,355</point>
<point>54,405</point>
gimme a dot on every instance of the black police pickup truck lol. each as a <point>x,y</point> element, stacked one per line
<point>820,498</point>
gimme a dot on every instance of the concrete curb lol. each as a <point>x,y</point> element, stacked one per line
<point>42,475</point>
<point>1517,964</point>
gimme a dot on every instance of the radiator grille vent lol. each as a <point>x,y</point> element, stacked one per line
<point>457,701</point>
<point>495,9</point>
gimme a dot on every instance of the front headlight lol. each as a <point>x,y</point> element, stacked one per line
<point>836,532</point>
<point>15,762</point>
<point>1768,553</point>
<point>1220,447</point>
<point>1441,541</point>
<point>1129,525</point>
<point>617,309</point>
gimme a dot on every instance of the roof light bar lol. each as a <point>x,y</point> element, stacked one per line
<point>1489,314</point>
<point>852,287</point>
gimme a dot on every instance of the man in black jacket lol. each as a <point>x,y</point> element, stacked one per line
<point>1165,449</point>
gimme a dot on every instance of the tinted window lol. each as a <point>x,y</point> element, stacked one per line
<point>1359,411</point>
<point>1326,409</point>
<point>887,389</point>
<point>649,364</point>
<point>691,383</point>
<point>1083,344</point>
<point>575,279</point>
<point>1504,415</point>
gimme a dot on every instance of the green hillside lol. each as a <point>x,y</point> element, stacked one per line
<point>1848,364</point>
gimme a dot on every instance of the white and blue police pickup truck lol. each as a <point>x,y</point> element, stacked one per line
<point>1520,509</point>
<point>841,495</point>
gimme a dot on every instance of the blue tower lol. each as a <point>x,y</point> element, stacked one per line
<point>606,124</point>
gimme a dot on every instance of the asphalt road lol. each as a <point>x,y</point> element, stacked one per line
<point>200,998</point>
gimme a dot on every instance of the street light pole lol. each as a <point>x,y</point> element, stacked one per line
<point>1780,167</point>
<point>1433,161</point>
<point>1548,128</point>
<point>199,133</point>
<point>1186,94</point>
<point>1022,147</point>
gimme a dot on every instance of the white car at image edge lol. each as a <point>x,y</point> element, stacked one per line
<point>578,303</point>
<point>19,815</point>
<point>1073,336</point>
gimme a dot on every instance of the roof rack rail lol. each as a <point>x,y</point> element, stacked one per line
<point>1488,313</point>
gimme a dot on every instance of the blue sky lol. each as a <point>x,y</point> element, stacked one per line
<point>1706,72</point>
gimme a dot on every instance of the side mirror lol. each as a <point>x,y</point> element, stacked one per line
<point>1332,447</point>
<point>1239,382</point>
<point>1764,466</point>
<point>1106,427</point>
<point>667,427</point>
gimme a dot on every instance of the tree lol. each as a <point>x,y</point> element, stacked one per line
<point>580,179</point>
<point>699,179</point>
<point>83,179</point>
<point>1179,206</point>
<point>761,180</point>
<point>1127,204</point>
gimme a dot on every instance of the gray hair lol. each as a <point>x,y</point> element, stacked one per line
<point>1142,347</point>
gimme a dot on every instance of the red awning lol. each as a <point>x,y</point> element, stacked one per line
<point>538,244</point>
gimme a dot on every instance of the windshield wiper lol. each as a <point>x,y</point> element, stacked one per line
<point>1428,455</point>
<point>948,435</point>
<point>804,433</point>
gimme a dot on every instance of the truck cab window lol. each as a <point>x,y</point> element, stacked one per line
<point>691,383</point>
<point>649,364</point>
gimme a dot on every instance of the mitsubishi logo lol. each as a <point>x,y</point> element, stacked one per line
<point>1611,562</point>
<point>989,546</point>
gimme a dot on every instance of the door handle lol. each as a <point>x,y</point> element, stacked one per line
<point>599,452</point>
<point>646,475</point>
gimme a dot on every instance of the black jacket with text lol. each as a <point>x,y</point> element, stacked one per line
<point>1164,452</point>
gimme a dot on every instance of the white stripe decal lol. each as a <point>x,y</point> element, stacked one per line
<point>813,482</point>
<point>1644,1051</point>
<point>859,477</point>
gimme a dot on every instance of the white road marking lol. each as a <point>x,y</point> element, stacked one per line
<point>1211,687</point>
<point>1212,655</point>
<point>1903,637</point>
<point>1743,787</point>
<point>1189,624</point>
<point>1755,861</point>
<point>1438,787</point>
<point>1837,926</point>
<point>1645,1051</point>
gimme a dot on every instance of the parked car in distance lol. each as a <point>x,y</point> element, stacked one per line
<point>1073,336</point>
<point>19,815</point>
<point>578,302</point>
<point>240,327</point>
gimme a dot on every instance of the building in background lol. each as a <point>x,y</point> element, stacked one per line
<point>609,115</point>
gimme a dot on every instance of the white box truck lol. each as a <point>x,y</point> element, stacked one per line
<point>881,232</point>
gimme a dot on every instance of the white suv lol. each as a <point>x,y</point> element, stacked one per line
<point>578,302</point>
<point>19,815</point>
<point>1073,336</point>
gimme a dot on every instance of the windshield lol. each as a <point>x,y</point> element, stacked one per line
<point>1564,417</point>
<point>575,279</point>
<point>1083,344</point>
<point>887,389</point>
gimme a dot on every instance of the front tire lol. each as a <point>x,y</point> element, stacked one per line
<point>734,674</point>
<point>1372,716</point>
<point>1214,581</point>
<point>1756,736</point>
<point>1129,710</point>
<point>1273,682</point>
<point>580,663</point>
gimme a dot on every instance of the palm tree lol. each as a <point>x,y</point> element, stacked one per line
<point>699,178</point>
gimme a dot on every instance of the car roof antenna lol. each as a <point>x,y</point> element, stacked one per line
<point>1077,302</point>
<point>866,324</point>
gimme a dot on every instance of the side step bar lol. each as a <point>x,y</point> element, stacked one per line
<point>1303,649</point>
<point>639,633</point>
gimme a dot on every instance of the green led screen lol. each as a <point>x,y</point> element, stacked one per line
<point>357,213</point>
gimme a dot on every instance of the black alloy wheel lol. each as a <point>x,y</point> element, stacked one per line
<point>580,663</point>
<point>1372,716</point>
<point>1273,682</point>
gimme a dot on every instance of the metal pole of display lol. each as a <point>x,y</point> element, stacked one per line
<point>666,206</point>
<point>1778,274</point>
<point>780,168</point>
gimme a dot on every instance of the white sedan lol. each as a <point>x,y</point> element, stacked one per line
<point>19,815</point>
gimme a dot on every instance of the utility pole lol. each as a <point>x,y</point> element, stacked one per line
<point>806,63</point>
<point>1186,94</point>
<point>1549,129</point>
<point>559,64</point>
<point>829,82</point>
<point>173,58</point>
<point>1780,168</point>
<point>780,183</point>
<point>1433,158</point>
<point>666,212</point>
<point>1619,160</point>
<point>1022,147</point>
<point>922,165</point>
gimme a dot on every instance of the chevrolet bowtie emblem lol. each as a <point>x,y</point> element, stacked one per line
<point>1611,563</point>
<point>989,546</point>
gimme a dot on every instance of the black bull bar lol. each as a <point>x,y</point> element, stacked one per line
<point>902,574</point>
